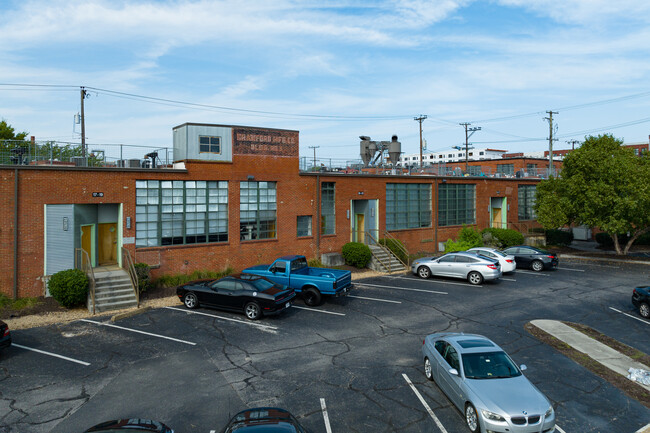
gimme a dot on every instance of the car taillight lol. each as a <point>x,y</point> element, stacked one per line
<point>423,342</point>
<point>509,261</point>
<point>551,257</point>
<point>492,266</point>
<point>4,334</point>
<point>334,285</point>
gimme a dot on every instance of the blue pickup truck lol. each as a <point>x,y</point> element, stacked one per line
<point>313,283</point>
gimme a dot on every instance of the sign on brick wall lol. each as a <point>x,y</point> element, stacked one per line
<point>265,142</point>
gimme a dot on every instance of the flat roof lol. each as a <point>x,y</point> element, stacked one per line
<point>233,126</point>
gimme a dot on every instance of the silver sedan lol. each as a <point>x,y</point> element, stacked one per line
<point>470,266</point>
<point>483,382</point>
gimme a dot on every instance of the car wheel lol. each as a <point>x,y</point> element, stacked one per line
<point>471,418</point>
<point>252,311</point>
<point>312,297</point>
<point>537,265</point>
<point>190,300</point>
<point>644,310</point>
<point>424,272</point>
<point>475,278</point>
<point>428,372</point>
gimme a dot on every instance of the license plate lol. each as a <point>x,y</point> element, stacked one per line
<point>287,305</point>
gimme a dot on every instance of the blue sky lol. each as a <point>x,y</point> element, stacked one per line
<point>333,69</point>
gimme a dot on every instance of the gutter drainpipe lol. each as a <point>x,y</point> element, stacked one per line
<point>318,217</point>
<point>15,291</point>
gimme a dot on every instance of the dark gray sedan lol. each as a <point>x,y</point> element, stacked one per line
<point>483,382</point>
<point>533,258</point>
<point>470,266</point>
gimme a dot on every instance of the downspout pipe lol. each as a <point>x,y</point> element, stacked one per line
<point>318,217</point>
<point>15,279</point>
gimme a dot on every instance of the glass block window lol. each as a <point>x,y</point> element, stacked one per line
<point>508,169</point>
<point>408,205</point>
<point>304,225</point>
<point>180,212</point>
<point>456,204</point>
<point>526,195</point>
<point>209,144</point>
<point>328,218</point>
<point>257,210</point>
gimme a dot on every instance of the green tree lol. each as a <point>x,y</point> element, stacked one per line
<point>7,132</point>
<point>603,185</point>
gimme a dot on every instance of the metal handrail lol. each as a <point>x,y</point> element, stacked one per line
<point>367,233</point>
<point>82,256</point>
<point>402,248</point>
<point>127,263</point>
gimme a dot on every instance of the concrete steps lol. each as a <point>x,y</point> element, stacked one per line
<point>383,260</point>
<point>113,291</point>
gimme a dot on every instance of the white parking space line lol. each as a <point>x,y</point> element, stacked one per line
<point>534,273</point>
<point>374,299</point>
<point>137,331</point>
<point>424,403</point>
<point>318,311</point>
<point>259,325</point>
<point>559,429</point>
<point>50,354</point>
<point>401,288</point>
<point>326,417</point>
<point>570,269</point>
<point>437,281</point>
<point>508,279</point>
<point>629,315</point>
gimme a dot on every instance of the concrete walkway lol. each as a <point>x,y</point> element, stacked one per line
<point>596,350</point>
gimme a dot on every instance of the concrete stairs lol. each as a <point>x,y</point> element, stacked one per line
<point>113,290</point>
<point>383,260</point>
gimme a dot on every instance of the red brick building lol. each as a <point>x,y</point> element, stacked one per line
<point>235,197</point>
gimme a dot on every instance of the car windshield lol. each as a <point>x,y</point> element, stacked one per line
<point>261,284</point>
<point>489,365</point>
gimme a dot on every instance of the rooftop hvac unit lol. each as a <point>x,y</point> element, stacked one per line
<point>79,161</point>
<point>134,163</point>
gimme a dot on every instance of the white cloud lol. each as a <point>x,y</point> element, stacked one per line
<point>586,12</point>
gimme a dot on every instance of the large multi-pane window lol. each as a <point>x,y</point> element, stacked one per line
<point>257,210</point>
<point>180,212</point>
<point>209,144</point>
<point>327,218</point>
<point>526,195</point>
<point>508,169</point>
<point>303,225</point>
<point>456,204</point>
<point>408,205</point>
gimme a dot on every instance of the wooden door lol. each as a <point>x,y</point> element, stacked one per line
<point>107,238</point>
<point>360,220</point>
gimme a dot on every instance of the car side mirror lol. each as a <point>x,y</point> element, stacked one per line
<point>453,371</point>
<point>523,367</point>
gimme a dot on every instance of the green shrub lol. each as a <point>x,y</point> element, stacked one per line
<point>315,263</point>
<point>606,240</point>
<point>180,279</point>
<point>501,238</point>
<point>356,254</point>
<point>452,246</point>
<point>396,247</point>
<point>559,237</point>
<point>144,278</point>
<point>69,287</point>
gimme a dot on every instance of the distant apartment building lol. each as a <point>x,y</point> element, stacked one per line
<point>451,156</point>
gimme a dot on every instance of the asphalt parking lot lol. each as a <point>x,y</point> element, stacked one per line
<point>350,365</point>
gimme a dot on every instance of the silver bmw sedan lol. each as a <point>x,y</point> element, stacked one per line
<point>486,385</point>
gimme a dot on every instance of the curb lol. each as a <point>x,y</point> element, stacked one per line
<point>129,313</point>
<point>603,259</point>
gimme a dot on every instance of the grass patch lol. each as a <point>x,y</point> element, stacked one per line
<point>628,387</point>
<point>18,304</point>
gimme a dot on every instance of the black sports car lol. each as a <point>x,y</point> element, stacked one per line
<point>254,295</point>
<point>641,300</point>
<point>130,425</point>
<point>535,258</point>
<point>264,420</point>
<point>5,335</point>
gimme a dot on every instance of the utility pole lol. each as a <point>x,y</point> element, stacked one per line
<point>314,147</point>
<point>420,120</point>
<point>551,167</point>
<point>468,133</point>
<point>84,95</point>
